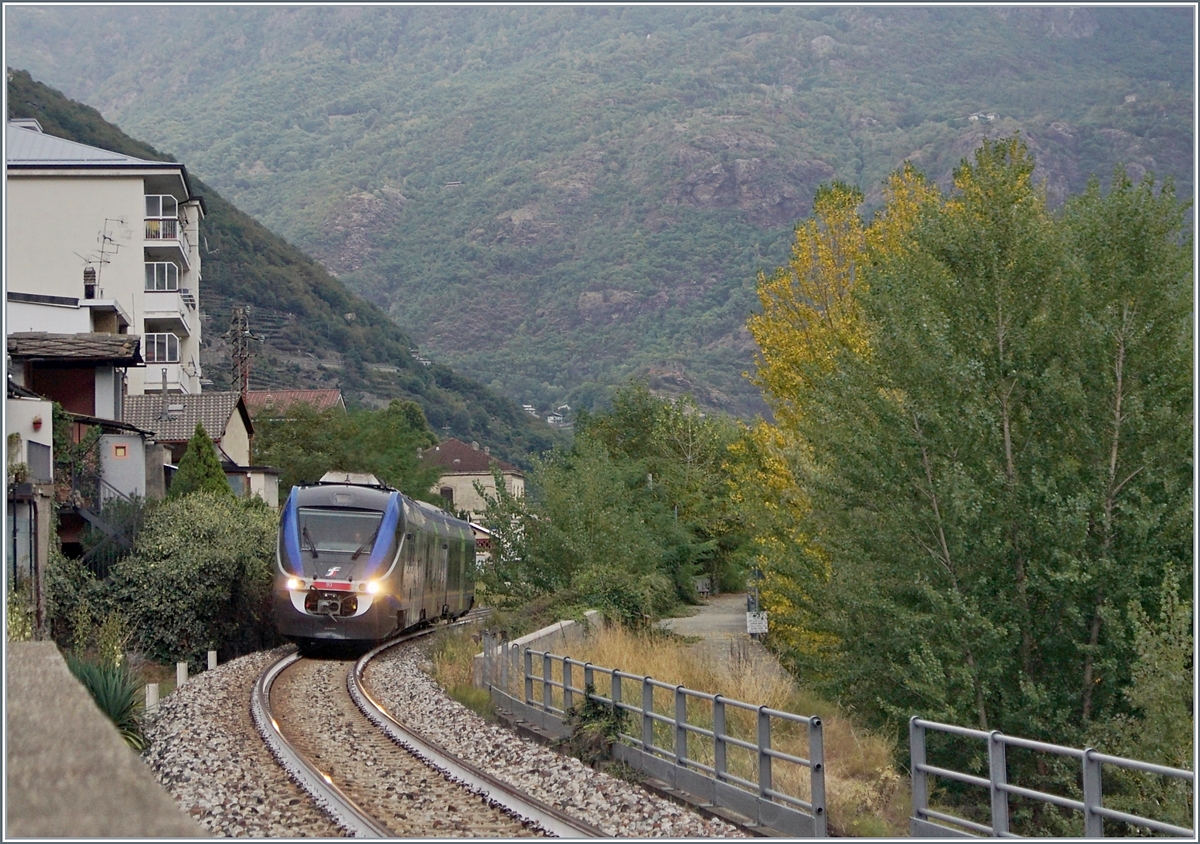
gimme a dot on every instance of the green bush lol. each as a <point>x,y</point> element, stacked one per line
<point>200,579</point>
<point>117,691</point>
<point>20,613</point>
<point>75,597</point>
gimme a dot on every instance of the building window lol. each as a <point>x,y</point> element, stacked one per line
<point>120,452</point>
<point>162,207</point>
<point>162,218</point>
<point>448,494</point>
<point>160,348</point>
<point>161,275</point>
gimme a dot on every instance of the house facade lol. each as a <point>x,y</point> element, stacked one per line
<point>172,418</point>
<point>461,466</point>
<point>100,242</point>
<point>101,279</point>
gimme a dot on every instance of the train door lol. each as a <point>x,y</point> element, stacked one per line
<point>458,571</point>
<point>408,581</point>
<point>454,572</point>
<point>437,575</point>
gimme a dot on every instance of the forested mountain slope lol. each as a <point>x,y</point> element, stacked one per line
<point>315,333</point>
<point>553,198</point>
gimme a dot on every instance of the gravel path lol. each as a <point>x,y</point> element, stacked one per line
<point>207,753</point>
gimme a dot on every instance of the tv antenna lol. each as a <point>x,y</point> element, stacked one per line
<point>108,246</point>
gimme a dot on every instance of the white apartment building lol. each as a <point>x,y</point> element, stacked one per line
<point>103,242</point>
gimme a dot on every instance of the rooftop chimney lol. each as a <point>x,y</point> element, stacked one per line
<point>89,282</point>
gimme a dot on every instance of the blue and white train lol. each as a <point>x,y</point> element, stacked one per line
<point>360,561</point>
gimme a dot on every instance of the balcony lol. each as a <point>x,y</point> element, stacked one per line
<point>169,232</point>
<point>169,311</point>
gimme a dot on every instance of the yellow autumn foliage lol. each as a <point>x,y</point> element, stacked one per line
<point>811,318</point>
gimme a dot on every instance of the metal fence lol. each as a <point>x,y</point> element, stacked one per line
<point>926,822</point>
<point>717,749</point>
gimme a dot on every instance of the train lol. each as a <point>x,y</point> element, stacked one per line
<point>358,562</point>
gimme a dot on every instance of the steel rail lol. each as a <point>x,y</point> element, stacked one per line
<point>552,820</point>
<point>317,783</point>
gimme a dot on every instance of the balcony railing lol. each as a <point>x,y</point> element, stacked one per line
<point>170,307</point>
<point>166,228</point>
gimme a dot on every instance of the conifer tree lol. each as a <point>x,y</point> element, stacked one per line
<point>199,468</point>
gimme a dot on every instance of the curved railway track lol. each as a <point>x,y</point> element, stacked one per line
<point>373,776</point>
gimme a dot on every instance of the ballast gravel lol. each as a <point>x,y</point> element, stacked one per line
<point>206,752</point>
<point>621,809</point>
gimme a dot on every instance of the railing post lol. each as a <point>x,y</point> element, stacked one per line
<point>589,679</point>
<point>529,675</point>
<point>505,664</point>
<point>568,696</point>
<point>916,753</point>
<point>764,744</point>
<point>647,715</point>
<point>212,660</point>
<point>719,737</point>
<point>816,759</point>
<point>616,691</point>
<point>1093,796</point>
<point>485,639</point>
<point>998,776</point>
<point>492,656</point>
<point>547,689</point>
<point>151,697</point>
<point>680,725</point>
<point>180,674</point>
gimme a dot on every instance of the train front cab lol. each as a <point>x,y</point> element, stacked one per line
<point>326,588</point>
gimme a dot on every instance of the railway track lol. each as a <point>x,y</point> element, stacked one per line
<point>375,777</point>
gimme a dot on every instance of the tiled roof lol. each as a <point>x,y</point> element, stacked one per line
<point>29,146</point>
<point>456,456</point>
<point>260,401</point>
<point>183,411</point>
<point>116,349</point>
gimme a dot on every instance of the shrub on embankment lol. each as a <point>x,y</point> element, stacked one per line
<point>198,579</point>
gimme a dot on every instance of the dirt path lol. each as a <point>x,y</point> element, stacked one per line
<point>720,623</point>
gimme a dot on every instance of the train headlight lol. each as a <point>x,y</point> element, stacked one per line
<point>294,583</point>
<point>373,587</point>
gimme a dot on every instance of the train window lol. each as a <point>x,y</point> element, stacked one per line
<point>337,531</point>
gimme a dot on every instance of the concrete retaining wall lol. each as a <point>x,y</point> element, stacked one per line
<point>69,773</point>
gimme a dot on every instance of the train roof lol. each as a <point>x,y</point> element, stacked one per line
<point>352,479</point>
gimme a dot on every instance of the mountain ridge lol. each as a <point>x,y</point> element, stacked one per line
<point>555,199</point>
<point>298,311</point>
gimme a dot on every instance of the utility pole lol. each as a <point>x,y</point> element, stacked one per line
<point>238,336</point>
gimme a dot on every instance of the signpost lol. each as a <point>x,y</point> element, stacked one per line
<point>756,623</point>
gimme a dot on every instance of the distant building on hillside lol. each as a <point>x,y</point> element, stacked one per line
<point>462,466</point>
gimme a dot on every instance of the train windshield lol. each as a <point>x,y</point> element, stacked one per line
<point>338,531</point>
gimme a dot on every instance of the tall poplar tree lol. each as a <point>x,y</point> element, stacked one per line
<point>1002,468</point>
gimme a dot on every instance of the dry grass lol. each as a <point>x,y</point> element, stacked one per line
<point>862,787</point>
<point>865,794</point>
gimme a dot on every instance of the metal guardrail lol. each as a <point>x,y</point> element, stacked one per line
<point>691,752</point>
<point>927,822</point>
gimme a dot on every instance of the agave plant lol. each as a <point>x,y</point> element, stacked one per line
<point>116,691</point>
